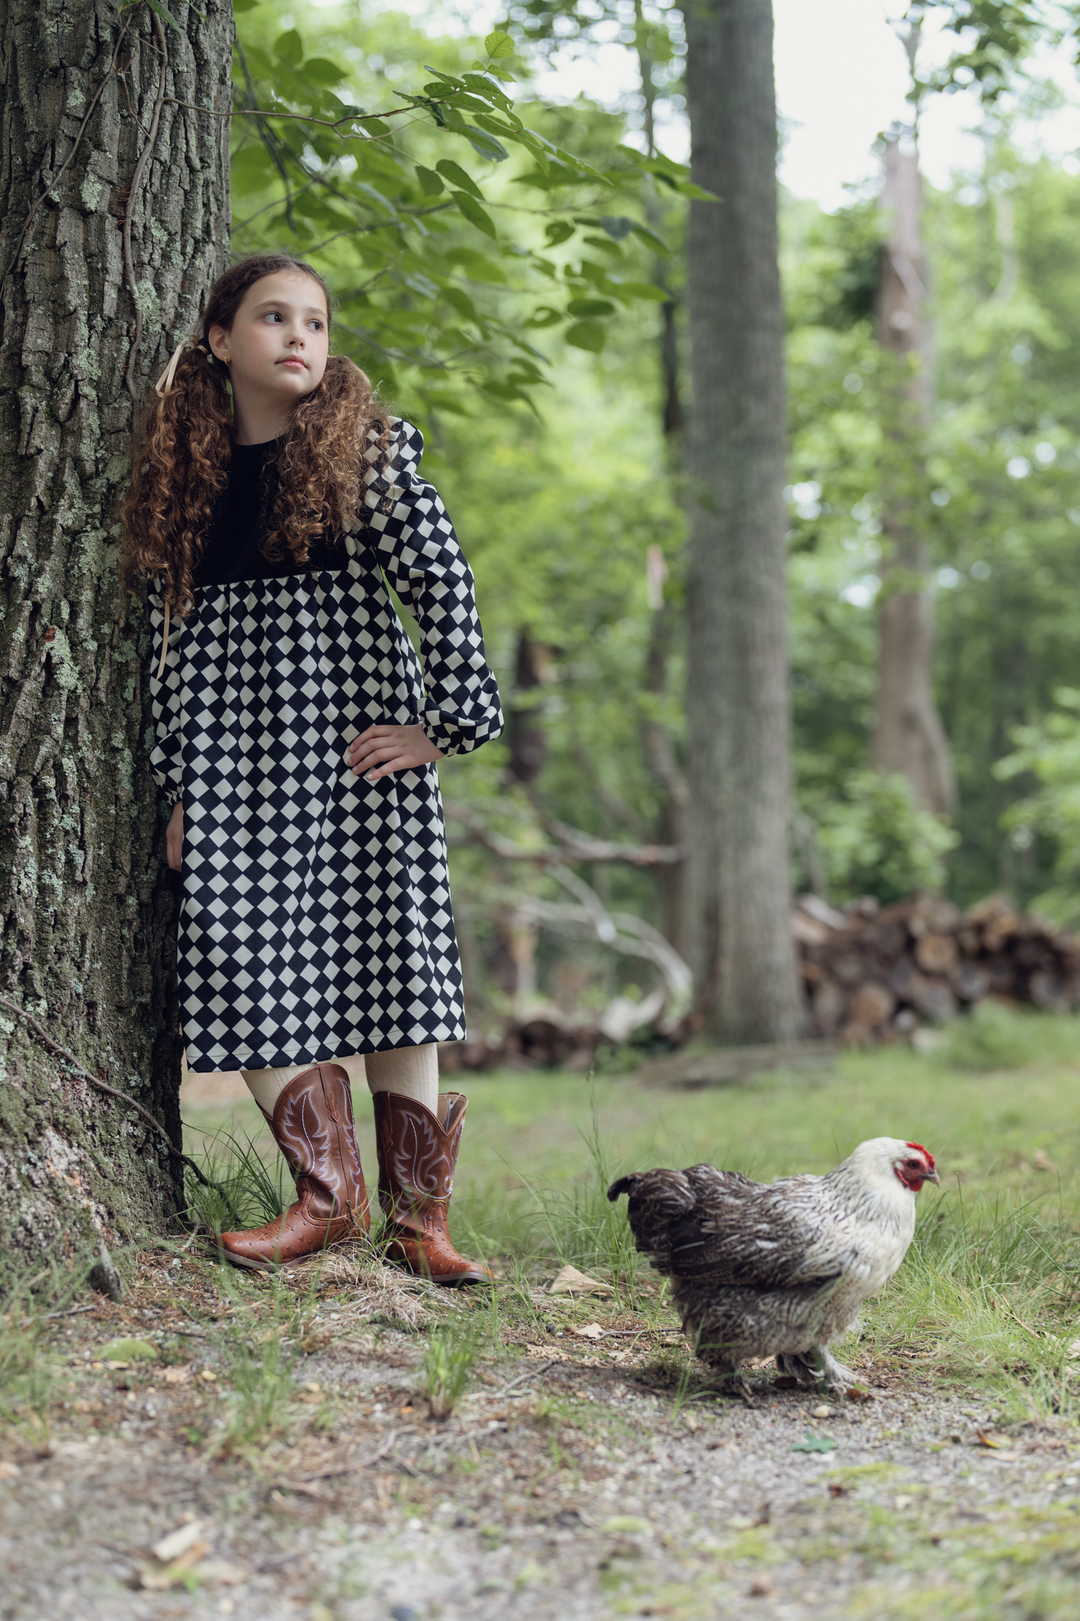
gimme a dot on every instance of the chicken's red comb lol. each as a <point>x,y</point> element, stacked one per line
<point>924,1151</point>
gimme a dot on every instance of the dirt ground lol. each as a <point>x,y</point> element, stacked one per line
<point>580,1477</point>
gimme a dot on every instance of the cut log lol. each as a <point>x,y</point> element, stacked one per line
<point>872,1005</point>
<point>830,1004</point>
<point>937,953</point>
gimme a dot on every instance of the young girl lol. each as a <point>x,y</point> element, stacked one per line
<point>296,741</point>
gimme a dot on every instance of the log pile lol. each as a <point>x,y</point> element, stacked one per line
<point>875,974</point>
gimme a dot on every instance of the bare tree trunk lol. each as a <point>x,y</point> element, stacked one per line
<point>909,738</point>
<point>87,912</point>
<point>737,664</point>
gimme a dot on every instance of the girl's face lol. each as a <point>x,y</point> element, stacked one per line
<point>277,346</point>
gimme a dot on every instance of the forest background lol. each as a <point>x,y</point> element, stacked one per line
<point>563,472</point>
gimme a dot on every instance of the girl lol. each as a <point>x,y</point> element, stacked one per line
<point>296,741</point>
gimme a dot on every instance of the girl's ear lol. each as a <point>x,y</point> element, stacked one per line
<point>218,339</point>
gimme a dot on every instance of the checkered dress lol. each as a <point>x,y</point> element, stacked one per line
<point>316,913</point>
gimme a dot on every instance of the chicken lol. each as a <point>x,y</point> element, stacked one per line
<point>778,1270</point>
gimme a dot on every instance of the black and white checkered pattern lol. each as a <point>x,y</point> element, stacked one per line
<point>316,914</point>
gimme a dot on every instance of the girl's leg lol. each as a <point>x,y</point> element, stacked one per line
<point>417,1133</point>
<point>309,1110</point>
<point>411,1072</point>
<point>267,1085</point>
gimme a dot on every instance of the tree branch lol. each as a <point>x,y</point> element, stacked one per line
<point>572,845</point>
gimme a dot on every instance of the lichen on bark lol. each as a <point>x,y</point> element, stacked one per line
<point>87,907</point>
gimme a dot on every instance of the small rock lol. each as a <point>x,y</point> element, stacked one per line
<point>821,1412</point>
<point>761,1587</point>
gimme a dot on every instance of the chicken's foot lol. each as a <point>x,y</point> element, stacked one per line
<point>817,1367</point>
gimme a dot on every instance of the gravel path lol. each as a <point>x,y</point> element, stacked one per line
<point>582,1493</point>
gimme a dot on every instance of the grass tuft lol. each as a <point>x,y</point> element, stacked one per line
<point>253,1193</point>
<point>996,1037</point>
<point>450,1355</point>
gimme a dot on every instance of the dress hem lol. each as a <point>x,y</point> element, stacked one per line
<point>227,1063</point>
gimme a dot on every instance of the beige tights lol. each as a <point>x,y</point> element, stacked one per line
<point>410,1071</point>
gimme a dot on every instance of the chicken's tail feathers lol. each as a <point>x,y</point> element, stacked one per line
<point>625,1184</point>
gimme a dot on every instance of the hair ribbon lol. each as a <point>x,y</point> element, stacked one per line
<point>164,385</point>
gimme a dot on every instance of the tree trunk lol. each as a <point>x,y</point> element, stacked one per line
<point>909,738</point>
<point>743,953</point>
<point>87,909</point>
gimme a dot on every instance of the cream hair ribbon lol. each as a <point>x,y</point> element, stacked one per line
<point>164,385</point>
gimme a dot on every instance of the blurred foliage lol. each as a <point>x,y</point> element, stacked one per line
<point>875,841</point>
<point>1047,755</point>
<point>531,359</point>
<point>451,228</point>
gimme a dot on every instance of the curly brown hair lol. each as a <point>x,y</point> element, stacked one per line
<point>183,445</point>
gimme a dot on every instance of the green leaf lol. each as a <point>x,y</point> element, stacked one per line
<point>320,70</point>
<point>653,240</point>
<point>461,302</point>
<point>474,213</point>
<point>815,1443</point>
<point>486,145</point>
<point>430,184</point>
<point>557,231</point>
<point>245,5</point>
<point>590,306</point>
<point>163,12</point>
<point>499,45</point>
<point>643,289</point>
<point>543,316</point>
<point>587,335</point>
<point>376,126</point>
<point>290,47</point>
<point>617,226</point>
<point>456,174</point>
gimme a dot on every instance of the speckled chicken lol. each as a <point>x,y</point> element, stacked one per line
<point>780,1269</point>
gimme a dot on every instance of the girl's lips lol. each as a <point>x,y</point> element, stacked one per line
<point>292,360</point>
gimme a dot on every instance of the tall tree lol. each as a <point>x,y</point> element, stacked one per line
<point>113,221</point>
<point>909,739</point>
<point>738,699</point>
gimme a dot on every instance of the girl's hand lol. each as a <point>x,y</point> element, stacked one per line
<point>384,749</point>
<point>174,836</point>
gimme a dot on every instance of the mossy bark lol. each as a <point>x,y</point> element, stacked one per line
<point>87,906</point>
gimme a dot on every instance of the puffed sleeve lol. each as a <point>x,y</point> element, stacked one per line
<point>167,755</point>
<point>418,550</point>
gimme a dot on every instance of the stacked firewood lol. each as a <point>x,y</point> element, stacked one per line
<point>876,974</point>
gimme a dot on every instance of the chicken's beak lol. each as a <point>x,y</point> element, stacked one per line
<point>931,1176</point>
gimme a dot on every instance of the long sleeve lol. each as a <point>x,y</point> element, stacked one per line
<point>418,550</point>
<point>167,755</point>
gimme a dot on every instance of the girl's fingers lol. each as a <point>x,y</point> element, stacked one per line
<point>404,762</point>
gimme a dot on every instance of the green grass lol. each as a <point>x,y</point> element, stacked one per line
<point>991,1286</point>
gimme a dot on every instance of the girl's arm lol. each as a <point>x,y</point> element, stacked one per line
<point>417,547</point>
<point>174,837</point>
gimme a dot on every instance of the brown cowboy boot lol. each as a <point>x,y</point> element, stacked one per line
<point>312,1124</point>
<point>417,1154</point>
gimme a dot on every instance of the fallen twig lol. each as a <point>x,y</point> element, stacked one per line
<point>73,1311</point>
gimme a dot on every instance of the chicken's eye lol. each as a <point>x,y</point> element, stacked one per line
<point>913,1165</point>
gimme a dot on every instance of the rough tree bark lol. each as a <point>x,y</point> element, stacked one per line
<point>94,154</point>
<point>738,668</point>
<point>909,738</point>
